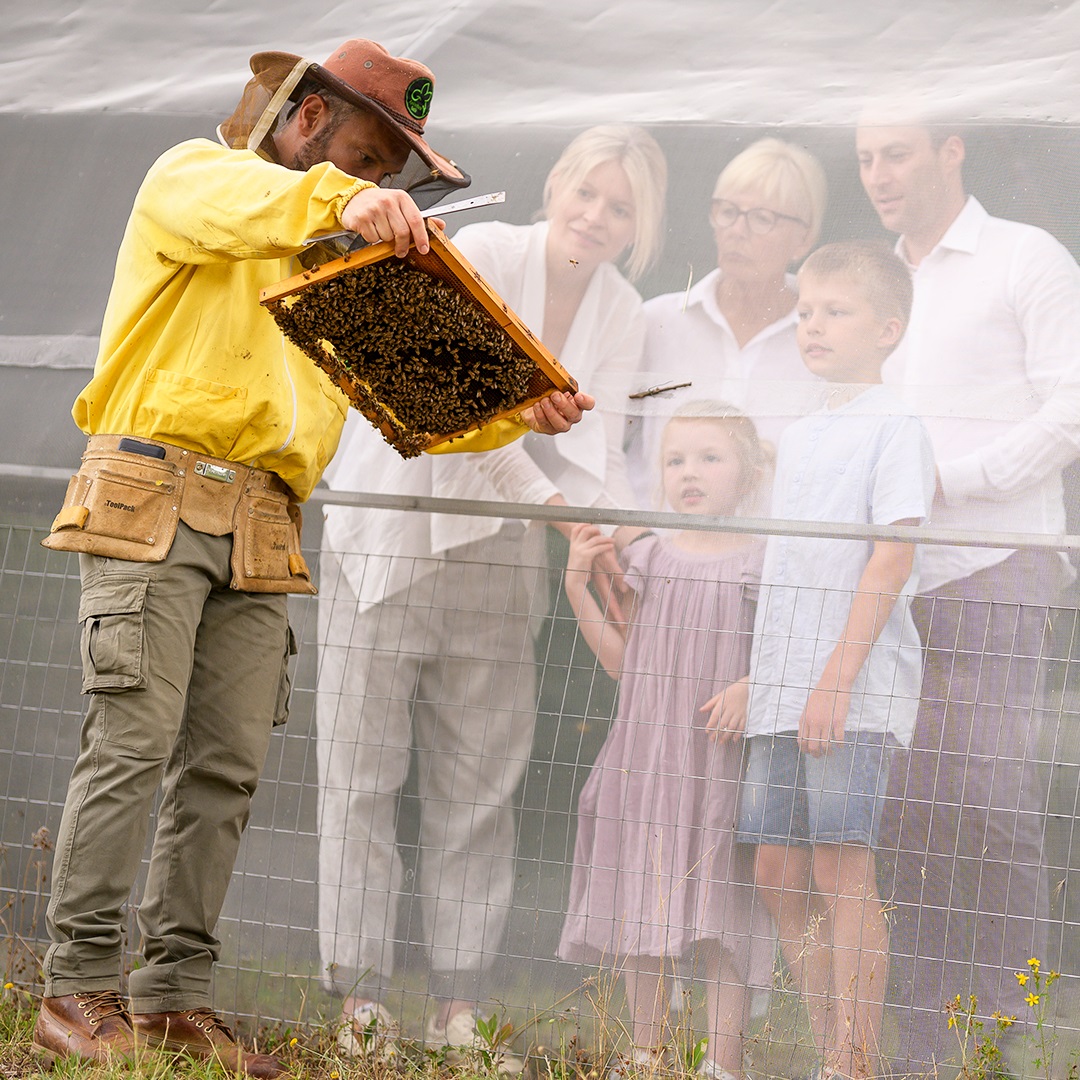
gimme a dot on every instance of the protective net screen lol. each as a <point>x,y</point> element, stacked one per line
<point>735,730</point>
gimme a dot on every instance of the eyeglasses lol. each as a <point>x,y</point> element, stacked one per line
<point>758,219</point>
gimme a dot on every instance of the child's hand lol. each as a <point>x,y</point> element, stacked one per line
<point>727,712</point>
<point>823,719</point>
<point>610,584</point>
<point>587,544</point>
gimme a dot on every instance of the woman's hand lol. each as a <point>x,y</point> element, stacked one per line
<point>611,589</point>
<point>557,412</point>
<point>592,560</point>
<point>587,544</point>
<point>727,712</point>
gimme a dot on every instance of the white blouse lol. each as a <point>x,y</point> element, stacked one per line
<point>586,465</point>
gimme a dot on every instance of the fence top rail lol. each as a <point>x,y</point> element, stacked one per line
<point>920,534</point>
<point>648,519</point>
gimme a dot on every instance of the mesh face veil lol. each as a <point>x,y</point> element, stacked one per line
<point>261,105</point>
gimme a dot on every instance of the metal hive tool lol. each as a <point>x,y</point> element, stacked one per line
<point>422,346</point>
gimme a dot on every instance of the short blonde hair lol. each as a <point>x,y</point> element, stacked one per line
<point>785,174</point>
<point>646,170</point>
<point>875,269</point>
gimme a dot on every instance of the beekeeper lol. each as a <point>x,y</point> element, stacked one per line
<point>206,430</point>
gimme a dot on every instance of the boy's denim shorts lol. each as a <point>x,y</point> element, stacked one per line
<point>788,797</point>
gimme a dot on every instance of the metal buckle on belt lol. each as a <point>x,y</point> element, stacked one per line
<point>215,472</point>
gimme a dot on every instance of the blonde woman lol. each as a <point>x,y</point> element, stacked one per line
<point>603,209</point>
<point>425,620</point>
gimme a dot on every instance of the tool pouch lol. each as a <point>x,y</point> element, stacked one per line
<point>266,553</point>
<point>121,506</point>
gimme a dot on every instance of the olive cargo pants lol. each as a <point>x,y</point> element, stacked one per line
<point>186,679</point>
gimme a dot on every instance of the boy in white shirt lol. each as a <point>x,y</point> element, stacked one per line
<point>836,663</point>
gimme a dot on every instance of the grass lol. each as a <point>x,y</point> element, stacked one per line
<point>572,1040</point>
<point>565,1042</point>
<point>571,1037</point>
<point>309,1053</point>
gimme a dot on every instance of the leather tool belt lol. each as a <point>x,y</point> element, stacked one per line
<point>129,495</point>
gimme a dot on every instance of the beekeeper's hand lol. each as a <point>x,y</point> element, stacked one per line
<point>386,214</point>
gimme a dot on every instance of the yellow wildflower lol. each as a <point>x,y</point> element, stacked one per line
<point>293,1041</point>
<point>1022,978</point>
<point>9,986</point>
<point>1032,1000</point>
<point>1033,963</point>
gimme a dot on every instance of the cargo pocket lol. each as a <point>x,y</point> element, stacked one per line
<point>281,709</point>
<point>111,614</point>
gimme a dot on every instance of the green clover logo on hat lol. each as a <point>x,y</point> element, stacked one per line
<point>418,97</point>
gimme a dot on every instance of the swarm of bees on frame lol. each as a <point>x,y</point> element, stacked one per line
<point>411,352</point>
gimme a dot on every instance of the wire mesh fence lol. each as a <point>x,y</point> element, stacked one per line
<point>414,833</point>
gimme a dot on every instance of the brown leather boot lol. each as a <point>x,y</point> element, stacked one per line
<point>201,1033</point>
<point>93,1026</point>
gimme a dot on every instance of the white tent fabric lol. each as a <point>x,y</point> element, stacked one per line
<point>568,61</point>
<point>91,93</point>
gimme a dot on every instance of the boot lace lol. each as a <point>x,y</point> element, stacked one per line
<point>101,1004</point>
<point>209,1021</point>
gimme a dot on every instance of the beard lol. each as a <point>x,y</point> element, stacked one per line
<point>313,152</point>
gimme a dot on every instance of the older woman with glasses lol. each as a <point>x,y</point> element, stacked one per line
<point>731,336</point>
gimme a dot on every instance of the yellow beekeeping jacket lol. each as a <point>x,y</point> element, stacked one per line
<point>187,354</point>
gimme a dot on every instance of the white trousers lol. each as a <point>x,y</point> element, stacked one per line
<point>443,669</point>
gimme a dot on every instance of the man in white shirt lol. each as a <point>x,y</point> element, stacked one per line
<point>990,362</point>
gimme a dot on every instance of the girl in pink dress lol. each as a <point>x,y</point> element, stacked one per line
<point>657,875</point>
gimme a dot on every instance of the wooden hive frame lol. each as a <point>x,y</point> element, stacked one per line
<point>446,264</point>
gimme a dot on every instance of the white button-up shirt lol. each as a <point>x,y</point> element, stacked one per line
<point>991,361</point>
<point>586,464</point>
<point>688,339</point>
